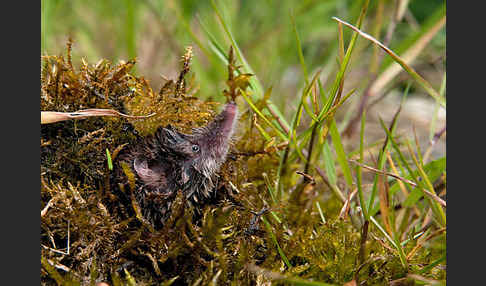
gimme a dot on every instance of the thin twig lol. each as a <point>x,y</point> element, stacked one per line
<point>311,148</point>
<point>336,191</point>
<point>68,236</point>
<point>270,109</point>
<point>383,172</point>
<point>432,195</point>
<point>438,135</point>
<point>434,140</point>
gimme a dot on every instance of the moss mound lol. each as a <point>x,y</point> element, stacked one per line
<point>91,230</point>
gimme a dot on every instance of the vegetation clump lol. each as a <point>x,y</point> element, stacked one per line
<point>253,232</point>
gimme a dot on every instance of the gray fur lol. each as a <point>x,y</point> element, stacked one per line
<point>171,161</point>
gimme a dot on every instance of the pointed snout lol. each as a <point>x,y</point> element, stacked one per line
<point>228,116</point>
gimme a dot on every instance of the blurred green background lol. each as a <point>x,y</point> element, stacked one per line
<point>156,32</point>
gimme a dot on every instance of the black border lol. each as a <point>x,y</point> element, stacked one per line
<point>20,188</point>
<point>465,145</point>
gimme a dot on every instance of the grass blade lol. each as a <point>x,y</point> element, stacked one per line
<point>274,239</point>
<point>382,158</point>
<point>329,164</point>
<point>425,84</point>
<point>254,82</point>
<point>341,155</point>
<point>299,49</point>
<point>108,158</point>
<point>436,208</point>
<point>321,214</point>
<point>359,176</point>
<point>398,247</point>
<point>260,114</point>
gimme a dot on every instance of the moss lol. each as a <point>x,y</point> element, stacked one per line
<point>87,210</point>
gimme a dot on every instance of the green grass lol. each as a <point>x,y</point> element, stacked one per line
<point>310,72</point>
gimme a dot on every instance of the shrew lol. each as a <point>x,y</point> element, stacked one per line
<point>170,161</point>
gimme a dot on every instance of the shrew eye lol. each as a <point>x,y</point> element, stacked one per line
<point>195,148</point>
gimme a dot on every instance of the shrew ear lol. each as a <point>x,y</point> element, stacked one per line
<point>142,169</point>
<point>185,174</point>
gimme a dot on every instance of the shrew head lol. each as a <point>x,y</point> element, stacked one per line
<point>178,156</point>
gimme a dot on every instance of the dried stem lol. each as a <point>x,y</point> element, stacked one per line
<point>364,236</point>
